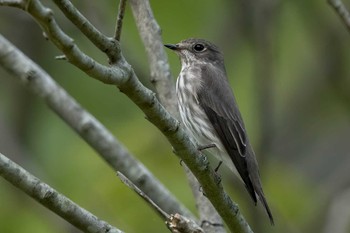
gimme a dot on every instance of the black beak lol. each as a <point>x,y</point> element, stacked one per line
<point>171,46</point>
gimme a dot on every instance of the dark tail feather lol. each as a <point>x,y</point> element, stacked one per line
<point>266,206</point>
<point>250,188</point>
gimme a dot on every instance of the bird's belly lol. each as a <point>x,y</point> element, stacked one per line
<point>200,128</point>
<point>197,123</point>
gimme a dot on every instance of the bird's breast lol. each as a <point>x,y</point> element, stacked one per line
<point>193,116</point>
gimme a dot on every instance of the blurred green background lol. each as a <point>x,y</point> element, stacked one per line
<point>288,62</point>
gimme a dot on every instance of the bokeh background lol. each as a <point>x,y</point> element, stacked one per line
<point>288,62</point>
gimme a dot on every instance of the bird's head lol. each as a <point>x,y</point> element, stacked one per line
<point>194,50</point>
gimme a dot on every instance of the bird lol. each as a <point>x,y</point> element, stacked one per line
<point>210,113</point>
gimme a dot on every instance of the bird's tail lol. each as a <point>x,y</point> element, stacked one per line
<point>262,199</point>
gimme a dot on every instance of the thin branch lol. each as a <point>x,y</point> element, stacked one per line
<point>51,199</point>
<point>46,20</point>
<point>107,45</point>
<point>131,185</point>
<point>120,17</point>
<point>92,131</point>
<point>341,10</point>
<point>124,77</point>
<point>176,222</point>
<point>84,25</point>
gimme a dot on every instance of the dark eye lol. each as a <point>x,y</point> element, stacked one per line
<point>198,47</point>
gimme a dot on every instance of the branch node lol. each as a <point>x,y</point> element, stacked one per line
<point>178,224</point>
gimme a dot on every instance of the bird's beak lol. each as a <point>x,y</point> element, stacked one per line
<point>172,46</point>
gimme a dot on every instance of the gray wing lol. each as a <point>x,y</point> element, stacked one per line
<point>217,100</point>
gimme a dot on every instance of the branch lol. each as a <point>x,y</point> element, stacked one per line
<point>121,75</point>
<point>107,45</point>
<point>131,185</point>
<point>119,23</point>
<point>341,10</point>
<point>92,131</point>
<point>52,199</point>
<point>92,33</point>
<point>176,223</point>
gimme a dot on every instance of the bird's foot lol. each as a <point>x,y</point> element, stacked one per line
<point>217,175</point>
<point>206,222</point>
<point>204,147</point>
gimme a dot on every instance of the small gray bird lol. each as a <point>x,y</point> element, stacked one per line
<point>209,111</point>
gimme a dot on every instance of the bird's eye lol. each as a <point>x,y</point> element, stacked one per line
<point>198,47</point>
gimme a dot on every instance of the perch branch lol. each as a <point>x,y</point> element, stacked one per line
<point>107,45</point>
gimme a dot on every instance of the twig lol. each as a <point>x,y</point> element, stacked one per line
<point>74,55</point>
<point>104,43</point>
<point>51,199</point>
<point>175,222</point>
<point>131,185</point>
<point>119,23</point>
<point>341,10</point>
<point>91,130</point>
<point>83,24</point>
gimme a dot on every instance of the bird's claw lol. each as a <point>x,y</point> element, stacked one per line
<point>211,224</point>
<point>204,147</point>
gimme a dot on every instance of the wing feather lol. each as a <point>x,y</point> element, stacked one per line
<point>218,102</point>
